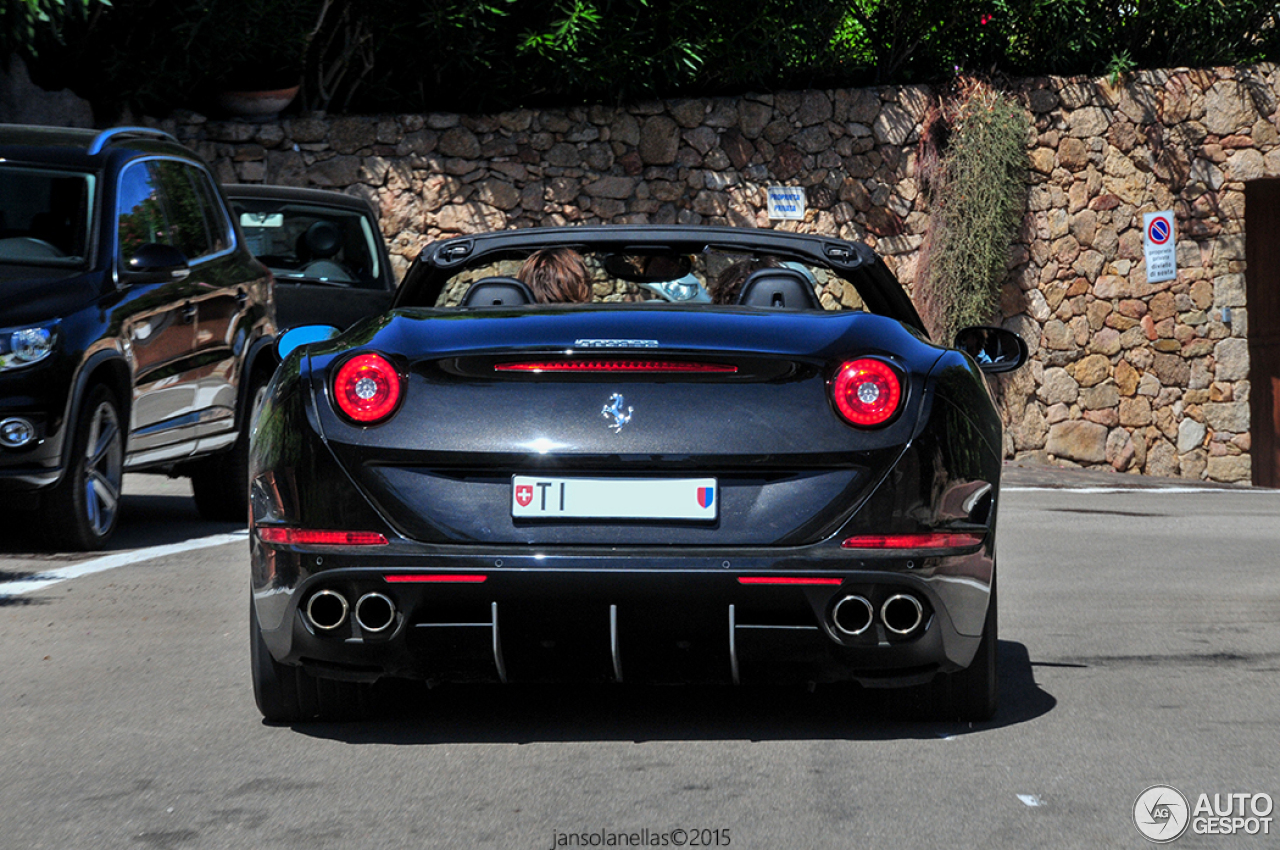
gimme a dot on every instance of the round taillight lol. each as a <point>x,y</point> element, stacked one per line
<point>867,392</point>
<point>366,388</point>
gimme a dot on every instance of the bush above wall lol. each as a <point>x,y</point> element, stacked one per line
<point>489,55</point>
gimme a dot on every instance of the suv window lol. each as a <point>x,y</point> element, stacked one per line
<point>169,202</point>
<point>214,213</point>
<point>44,216</point>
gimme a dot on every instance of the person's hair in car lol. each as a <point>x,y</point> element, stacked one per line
<point>728,284</point>
<point>557,275</point>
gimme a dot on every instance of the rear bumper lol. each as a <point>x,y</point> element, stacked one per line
<point>608,617</point>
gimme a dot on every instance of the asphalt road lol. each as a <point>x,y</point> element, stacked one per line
<point>1140,645</point>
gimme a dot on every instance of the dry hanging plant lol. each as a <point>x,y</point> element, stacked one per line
<point>973,165</point>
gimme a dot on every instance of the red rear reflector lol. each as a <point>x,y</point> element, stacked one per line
<point>912,541</point>
<point>366,388</point>
<point>316,537</point>
<point>615,367</point>
<point>434,579</point>
<point>786,580</point>
<point>867,392</point>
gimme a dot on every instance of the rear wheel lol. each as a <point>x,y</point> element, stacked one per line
<point>974,691</point>
<point>966,695</point>
<point>970,694</point>
<point>275,685</point>
<point>288,694</point>
<point>81,511</point>
<point>220,483</point>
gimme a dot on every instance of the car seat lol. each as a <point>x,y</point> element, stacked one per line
<point>316,247</point>
<point>782,288</point>
<point>497,292</point>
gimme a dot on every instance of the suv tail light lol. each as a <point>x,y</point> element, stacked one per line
<point>367,388</point>
<point>867,392</point>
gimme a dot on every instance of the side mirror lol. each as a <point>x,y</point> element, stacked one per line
<point>295,338</point>
<point>156,263</point>
<point>995,350</point>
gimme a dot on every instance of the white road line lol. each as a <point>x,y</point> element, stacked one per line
<point>110,562</point>
<point>1096,490</point>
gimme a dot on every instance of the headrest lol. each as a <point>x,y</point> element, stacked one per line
<point>323,240</point>
<point>497,292</point>
<point>785,288</point>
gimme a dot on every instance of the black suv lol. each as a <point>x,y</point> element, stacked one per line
<point>135,327</point>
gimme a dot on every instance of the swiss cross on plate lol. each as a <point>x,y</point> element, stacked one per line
<point>524,495</point>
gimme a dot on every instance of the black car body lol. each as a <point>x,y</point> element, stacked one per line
<point>134,326</point>
<point>639,491</point>
<point>325,248</point>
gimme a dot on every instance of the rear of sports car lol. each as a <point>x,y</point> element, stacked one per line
<point>627,493</point>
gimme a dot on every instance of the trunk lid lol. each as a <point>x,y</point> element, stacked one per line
<point>787,468</point>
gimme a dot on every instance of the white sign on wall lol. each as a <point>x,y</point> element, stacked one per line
<point>1159,246</point>
<point>786,203</point>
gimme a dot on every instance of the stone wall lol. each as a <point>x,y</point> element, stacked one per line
<point>1126,375</point>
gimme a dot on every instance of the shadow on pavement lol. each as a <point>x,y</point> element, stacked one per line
<point>1030,474</point>
<point>411,714</point>
<point>162,513</point>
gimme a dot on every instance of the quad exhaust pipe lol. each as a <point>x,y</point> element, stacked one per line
<point>327,609</point>
<point>852,615</point>
<point>375,613</point>
<point>901,614</point>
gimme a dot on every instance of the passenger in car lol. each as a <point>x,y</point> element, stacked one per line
<point>728,284</point>
<point>557,275</point>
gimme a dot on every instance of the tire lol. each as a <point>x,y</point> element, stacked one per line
<point>275,685</point>
<point>81,511</point>
<point>220,483</point>
<point>968,695</point>
<point>288,694</point>
<point>972,694</point>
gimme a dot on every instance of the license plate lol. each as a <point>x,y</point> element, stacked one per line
<point>535,497</point>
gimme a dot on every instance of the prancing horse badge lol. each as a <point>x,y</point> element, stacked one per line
<point>614,410</point>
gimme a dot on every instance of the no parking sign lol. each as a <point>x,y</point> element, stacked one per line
<point>1159,247</point>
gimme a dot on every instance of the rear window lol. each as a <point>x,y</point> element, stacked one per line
<point>45,216</point>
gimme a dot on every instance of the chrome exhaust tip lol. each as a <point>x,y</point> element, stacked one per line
<point>902,614</point>
<point>327,609</point>
<point>375,612</point>
<point>852,615</point>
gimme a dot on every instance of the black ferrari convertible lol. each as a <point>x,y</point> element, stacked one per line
<point>792,484</point>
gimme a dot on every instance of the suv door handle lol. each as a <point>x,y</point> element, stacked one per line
<point>189,311</point>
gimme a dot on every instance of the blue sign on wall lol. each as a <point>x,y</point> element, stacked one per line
<point>786,203</point>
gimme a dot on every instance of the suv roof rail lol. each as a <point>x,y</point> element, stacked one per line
<point>104,138</point>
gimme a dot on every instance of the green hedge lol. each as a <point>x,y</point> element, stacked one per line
<point>487,55</point>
